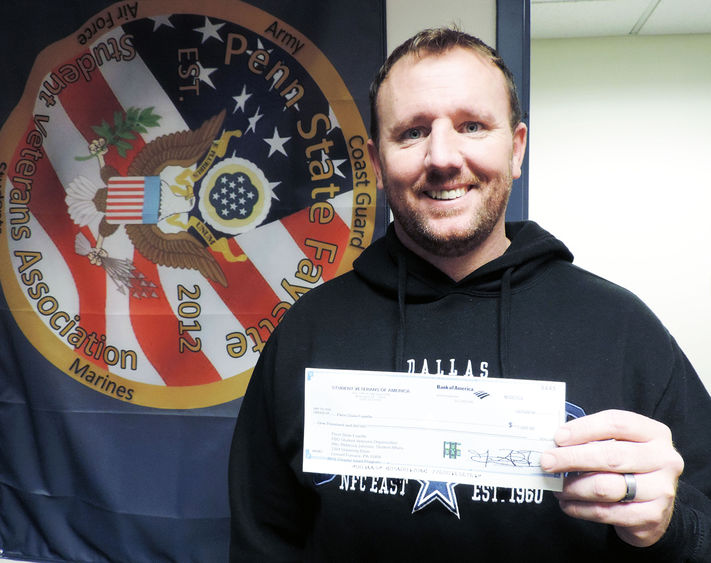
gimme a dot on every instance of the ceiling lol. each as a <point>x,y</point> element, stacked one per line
<point>594,18</point>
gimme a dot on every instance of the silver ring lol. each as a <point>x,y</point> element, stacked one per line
<point>631,484</point>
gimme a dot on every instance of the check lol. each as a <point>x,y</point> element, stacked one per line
<point>440,428</point>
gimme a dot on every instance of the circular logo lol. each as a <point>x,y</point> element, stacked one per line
<point>235,196</point>
<point>172,182</point>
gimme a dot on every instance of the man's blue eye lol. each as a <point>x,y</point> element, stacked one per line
<point>472,127</point>
<point>414,134</point>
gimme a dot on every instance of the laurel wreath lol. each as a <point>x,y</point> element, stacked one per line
<point>125,127</point>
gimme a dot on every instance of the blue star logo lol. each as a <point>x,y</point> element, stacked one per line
<point>437,490</point>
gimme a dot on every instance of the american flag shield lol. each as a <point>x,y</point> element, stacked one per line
<point>175,177</point>
<point>133,199</point>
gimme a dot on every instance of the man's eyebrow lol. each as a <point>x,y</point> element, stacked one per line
<point>461,115</point>
<point>479,114</point>
<point>410,120</point>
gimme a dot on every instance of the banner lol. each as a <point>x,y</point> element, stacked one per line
<point>176,175</point>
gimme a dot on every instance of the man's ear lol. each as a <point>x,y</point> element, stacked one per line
<point>520,136</point>
<point>377,165</point>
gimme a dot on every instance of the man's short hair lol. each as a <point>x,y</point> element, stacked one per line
<point>436,41</point>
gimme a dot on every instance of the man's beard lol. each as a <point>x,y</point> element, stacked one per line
<point>461,241</point>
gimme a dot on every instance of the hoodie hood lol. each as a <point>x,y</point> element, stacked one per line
<point>530,249</point>
<point>396,271</point>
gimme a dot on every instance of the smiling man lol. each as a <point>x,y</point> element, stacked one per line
<point>454,290</point>
<point>446,156</point>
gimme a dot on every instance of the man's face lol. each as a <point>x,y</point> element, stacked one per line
<point>446,155</point>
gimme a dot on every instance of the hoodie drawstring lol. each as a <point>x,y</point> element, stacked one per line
<point>401,288</point>
<point>504,321</point>
<point>504,317</point>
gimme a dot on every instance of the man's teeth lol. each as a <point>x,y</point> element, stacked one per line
<point>447,194</point>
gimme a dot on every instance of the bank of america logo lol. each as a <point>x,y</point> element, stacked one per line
<point>451,450</point>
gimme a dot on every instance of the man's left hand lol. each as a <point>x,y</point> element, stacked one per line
<point>598,450</point>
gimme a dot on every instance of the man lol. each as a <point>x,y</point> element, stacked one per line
<point>452,285</point>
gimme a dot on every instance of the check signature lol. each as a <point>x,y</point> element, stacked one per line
<point>513,458</point>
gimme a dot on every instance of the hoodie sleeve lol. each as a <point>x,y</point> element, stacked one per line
<point>268,505</point>
<point>686,409</point>
<point>685,406</point>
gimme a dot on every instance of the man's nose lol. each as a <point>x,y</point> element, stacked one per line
<point>444,148</point>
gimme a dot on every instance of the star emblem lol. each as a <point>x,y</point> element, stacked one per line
<point>431,491</point>
<point>204,75</point>
<point>241,100</point>
<point>276,143</point>
<point>159,21</point>
<point>260,47</point>
<point>333,119</point>
<point>253,121</point>
<point>336,163</point>
<point>210,30</point>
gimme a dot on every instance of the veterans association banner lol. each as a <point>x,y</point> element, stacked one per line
<point>176,175</point>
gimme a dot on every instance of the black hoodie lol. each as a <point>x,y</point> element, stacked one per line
<point>529,314</point>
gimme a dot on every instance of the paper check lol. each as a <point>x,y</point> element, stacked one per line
<point>438,428</point>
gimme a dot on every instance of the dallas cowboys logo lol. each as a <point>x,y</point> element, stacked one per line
<point>431,491</point>
<point>234,196</point>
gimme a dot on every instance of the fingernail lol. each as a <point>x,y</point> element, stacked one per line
<point>547,461</point>
<point>562,435</point>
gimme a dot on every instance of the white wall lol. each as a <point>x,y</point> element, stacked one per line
<point>620,169</point>
<point>407,17</point>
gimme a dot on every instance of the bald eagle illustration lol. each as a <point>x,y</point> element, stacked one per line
<point>173,249</point>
